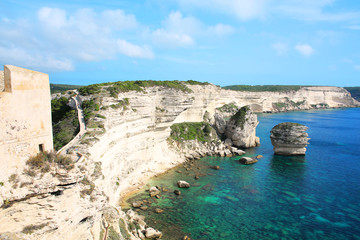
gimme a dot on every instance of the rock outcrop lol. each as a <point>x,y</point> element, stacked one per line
<point>289,139</point>
<point>247,160</point>
<point>241,128</point>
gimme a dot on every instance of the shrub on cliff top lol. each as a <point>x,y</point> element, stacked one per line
<point>286,125</point>
<point>200,131</point>
<point>239,117</point>
<point>42,162</point>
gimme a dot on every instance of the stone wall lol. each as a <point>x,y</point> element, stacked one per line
<point>1,81</point>
<point>25,118</point>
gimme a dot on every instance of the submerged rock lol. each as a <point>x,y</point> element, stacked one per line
<point>215,167</point>
<point>183,184</point>
<point>247,160</point>
<point>241,128</point>
<point>289,138</point>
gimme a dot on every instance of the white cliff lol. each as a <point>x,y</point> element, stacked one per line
<point>134,146</point>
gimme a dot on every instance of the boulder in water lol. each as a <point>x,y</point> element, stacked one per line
<point>247,160</point>
<point>183,184</point>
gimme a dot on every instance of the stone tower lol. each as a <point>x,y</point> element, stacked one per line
<point>25,118</point>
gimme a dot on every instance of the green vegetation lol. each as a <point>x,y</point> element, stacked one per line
<point>64,121</point>
<point>89,107</point>
<point>91,89</point>
<point>6,204</point>
<point>287,125</point>
<point>112,234</point>
<point>264,88</point>
<point>228,108</point>
<point>123,230</point>
<point>192,82</point>
<point>125,86</point>
<point>1,184</point>
<point>122,104</point>
<point>31,228</point>
<point>42,162</point>
<point>56,88</point>
<point>239,117</point>
<point>354,91</point>
<point>200,131</point>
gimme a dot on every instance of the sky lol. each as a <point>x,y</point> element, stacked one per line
<point>225,42</point>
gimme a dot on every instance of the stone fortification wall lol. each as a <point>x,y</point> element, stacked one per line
<point>25,118</point>
<point>1,81</point>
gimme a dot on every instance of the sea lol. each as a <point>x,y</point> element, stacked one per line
<point>316,196</point>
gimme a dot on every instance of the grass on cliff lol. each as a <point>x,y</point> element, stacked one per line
<point>125,86</point>
<point>239,116</point>
<point>64,122</point>
<point>200,131</point>
<point>264,88</point>
<point>228,108</point>
<point>43,161</point>
<point>286,125</point>
<point>57,88</point>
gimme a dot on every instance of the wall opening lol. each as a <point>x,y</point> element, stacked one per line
<point>41,148</point>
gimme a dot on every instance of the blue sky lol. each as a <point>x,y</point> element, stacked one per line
<point>226,42</point>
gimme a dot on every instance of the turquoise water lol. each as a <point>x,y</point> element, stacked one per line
<point>316,196</point>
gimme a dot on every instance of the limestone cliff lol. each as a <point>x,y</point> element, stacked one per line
<point>241,129</point>
<point>127,142</point>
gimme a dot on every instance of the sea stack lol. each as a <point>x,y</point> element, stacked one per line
<point>289,138</point>
<point>241,129</point>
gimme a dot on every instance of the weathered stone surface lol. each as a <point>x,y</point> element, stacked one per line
<point>241,128</point>
<point>137,204</point>
<point>183,184</point>
<point>153,191</point>
<point>247,160</point>
<point>289,138</point>
<point>152,233</point>
<point>220,123</point>
<point>177,192</point>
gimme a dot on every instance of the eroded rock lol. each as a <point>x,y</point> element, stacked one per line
<point>183,184</point>
<point>241,128</point>
<point>247,160</point>
<point>152,233</point>
<point>289,138</point>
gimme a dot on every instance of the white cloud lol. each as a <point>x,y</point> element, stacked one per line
<point>133,50</point>
<point>357,67</point>
<point>19,57</point>
<point>305,49</point>
<point>180,31</point>
<point>161,36</point>
<point>280,48</point>
<point>57,39</point>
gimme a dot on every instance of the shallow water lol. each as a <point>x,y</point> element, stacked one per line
<point>316,196</point>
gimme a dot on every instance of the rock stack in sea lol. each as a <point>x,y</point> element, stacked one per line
<point>240,130</point>
<point>289,138</point>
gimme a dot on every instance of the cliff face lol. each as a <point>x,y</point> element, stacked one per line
<point>134,145</point>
